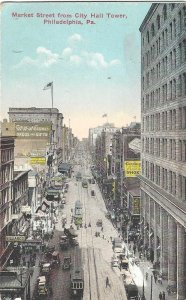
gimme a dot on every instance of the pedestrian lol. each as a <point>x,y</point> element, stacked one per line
<point>107,281</point>
<point>155,277</point>
<point>163,295</point>
<point>146,275</point>
<point>160,296</point>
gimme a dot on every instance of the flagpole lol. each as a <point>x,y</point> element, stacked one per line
<point>52,94</point>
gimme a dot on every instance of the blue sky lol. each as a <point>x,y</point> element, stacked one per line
<point>79,59</point>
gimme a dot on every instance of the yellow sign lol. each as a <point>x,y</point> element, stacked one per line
<point>15,238</point>
<point>37,161</point>
<point>136,206</point>
<point>113,186</point>
<point>132,168</point>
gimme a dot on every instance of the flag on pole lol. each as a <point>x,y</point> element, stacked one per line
<point>104,115</point>
<point>48,86</point>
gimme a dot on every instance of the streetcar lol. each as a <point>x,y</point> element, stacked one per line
<point>130,286</point>
<point>78,176</point>
<point>77,276</point>
<point>78,215</point>
<point>84,183</point>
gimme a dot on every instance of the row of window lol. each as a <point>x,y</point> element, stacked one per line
<point>167,179</point>
<point>165,148</point>
<point>168,92</point>
<point>4,196</point>
<point>163,68</point>
<point>6,174</point>
<point>20,188</point>
<point>167,120</point>
<point>173,27</point>
<point>7,155</point>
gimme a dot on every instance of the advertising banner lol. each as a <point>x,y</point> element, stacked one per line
<point>37,160</point>
<point>132,168</point>
<point>33,130</point>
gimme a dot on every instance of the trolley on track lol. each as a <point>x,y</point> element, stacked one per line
<point>78,214</point>
<point>77,276</point>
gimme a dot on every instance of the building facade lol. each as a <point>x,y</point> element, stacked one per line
<point>20,223</point>
<point>163,112</point>
<point>38,130</point>
<point>6,194</point>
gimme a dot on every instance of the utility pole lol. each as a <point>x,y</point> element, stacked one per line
<point>151,287</point>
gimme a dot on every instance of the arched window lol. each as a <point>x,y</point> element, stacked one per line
<point>152,30</point>
<point>172,6</point>
<point>158,21</point>
<point>165,12</point>
<point>148,37</point>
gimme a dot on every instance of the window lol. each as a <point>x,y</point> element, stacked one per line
<point>174,27</point>
<point>158,21</point>
<point>174,89</point>
<point>166,64</point>
<point>165,91</point>
<point>184,16</point>
<point>170,30</point>
<point>174,58</point>
<point>180,21</point>
<point>180,54</point>
<point>179,86</point>
<point>170,90</point>
<point>184,50</point>
<point>163,39</point>
<point>171,60</point>
<point>172,6</point>
<point>184,83</point>
<point>166,37</point>
<point>159,45</point>
<point>148,37</point>
<point>152,30</point>
<point>165,12</point>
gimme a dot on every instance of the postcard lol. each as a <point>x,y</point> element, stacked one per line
<point>93,150</point>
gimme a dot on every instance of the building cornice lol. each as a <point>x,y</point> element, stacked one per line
<point>148,15</point>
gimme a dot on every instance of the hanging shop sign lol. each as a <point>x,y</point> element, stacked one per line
<point>25,209</point>
<point>15,238</point>
<point>37,160</point>
<point>132,168</point>
<point>136,206</point>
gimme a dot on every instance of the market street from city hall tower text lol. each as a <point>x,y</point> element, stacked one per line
<point>93,151</point>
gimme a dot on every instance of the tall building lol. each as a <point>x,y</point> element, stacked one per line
<point>37,130</point>
<point>163,109</point>
<point>6,195</point>
<point>94,132</point>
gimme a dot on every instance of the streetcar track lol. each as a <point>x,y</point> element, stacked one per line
<point>93,250</point>
<point>82,194</point>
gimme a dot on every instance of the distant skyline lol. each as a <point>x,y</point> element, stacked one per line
<point>95,68</point>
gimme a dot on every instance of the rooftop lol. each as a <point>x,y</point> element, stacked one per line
<point>14,278</point>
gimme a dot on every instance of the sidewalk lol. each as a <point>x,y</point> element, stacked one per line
<point>34,270</point>
<point>139,275</point>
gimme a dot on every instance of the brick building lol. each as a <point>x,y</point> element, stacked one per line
<point>38,130</point>
<point>6,194</point>
<point>163,107</point>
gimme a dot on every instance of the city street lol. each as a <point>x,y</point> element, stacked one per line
<point>96,251</point>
